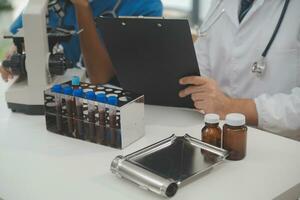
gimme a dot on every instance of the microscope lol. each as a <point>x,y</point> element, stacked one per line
<point>40,65</point>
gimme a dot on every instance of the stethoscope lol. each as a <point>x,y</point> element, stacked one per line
<point>110,13</point>
<point>60,12</point>
<point>61,9</point>
<point>258,67</point>
<point>113,12</point>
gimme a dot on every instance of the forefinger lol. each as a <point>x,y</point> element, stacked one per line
<point>193,80</point>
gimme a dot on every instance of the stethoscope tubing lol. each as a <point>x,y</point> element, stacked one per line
<point>58,9</point>
<point>259,66</point>
<point>206,28</point>
<point>278,25</point>
<point>113,12</point>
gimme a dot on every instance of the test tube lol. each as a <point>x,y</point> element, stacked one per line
<point>84,85</point>
<point>91,97</point>
<point>68,91</point>
<point>113,102</point>
<point>79,125</point>
<point>75,82</point>
<point>101,129</point>
<point>93,87</point>
<point>57,90</point>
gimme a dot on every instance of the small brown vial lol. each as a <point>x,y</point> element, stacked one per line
<point>211,132</point>
<point>235,136</point>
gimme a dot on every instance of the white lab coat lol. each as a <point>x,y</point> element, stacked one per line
<point>229,49</point>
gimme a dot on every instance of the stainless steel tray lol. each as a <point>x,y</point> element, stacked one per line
<point>166,165</point>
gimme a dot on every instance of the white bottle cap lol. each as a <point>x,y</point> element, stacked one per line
<point>211,118</point>
<point>235,119</point>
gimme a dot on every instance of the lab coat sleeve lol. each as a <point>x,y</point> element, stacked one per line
<point>280,113</point>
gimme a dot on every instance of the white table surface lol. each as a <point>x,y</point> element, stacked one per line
<point>38,165</point>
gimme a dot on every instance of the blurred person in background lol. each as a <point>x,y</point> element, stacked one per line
<point>80,14</point>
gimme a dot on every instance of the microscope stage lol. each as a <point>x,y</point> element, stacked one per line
<point>29,100</point>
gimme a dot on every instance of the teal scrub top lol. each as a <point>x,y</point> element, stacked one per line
<point>126,8</point>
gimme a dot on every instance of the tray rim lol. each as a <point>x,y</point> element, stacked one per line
<point>222,154</point>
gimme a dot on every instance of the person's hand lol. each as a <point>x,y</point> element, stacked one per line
<point>6,73</point>
<point>208,98</point>
<point>206,94</point>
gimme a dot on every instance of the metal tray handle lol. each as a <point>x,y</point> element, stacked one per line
<point>144,178</point>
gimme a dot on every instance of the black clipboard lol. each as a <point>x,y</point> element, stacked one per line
<point>150,55</point>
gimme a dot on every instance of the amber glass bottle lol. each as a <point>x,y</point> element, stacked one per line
<point>235,136</point>
<point>211,132</point>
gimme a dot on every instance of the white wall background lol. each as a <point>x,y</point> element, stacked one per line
<point>186,5</point>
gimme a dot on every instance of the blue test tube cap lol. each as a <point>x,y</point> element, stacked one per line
<point>68,90</point>
<point>101,97</point>
<point>78,93</point>
<point>57,88</point>
<point>112,100</point>
<point>90,95</point>
<point>75,80</point>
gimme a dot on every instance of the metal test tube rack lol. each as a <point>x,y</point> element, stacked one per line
<point>129,119</point>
